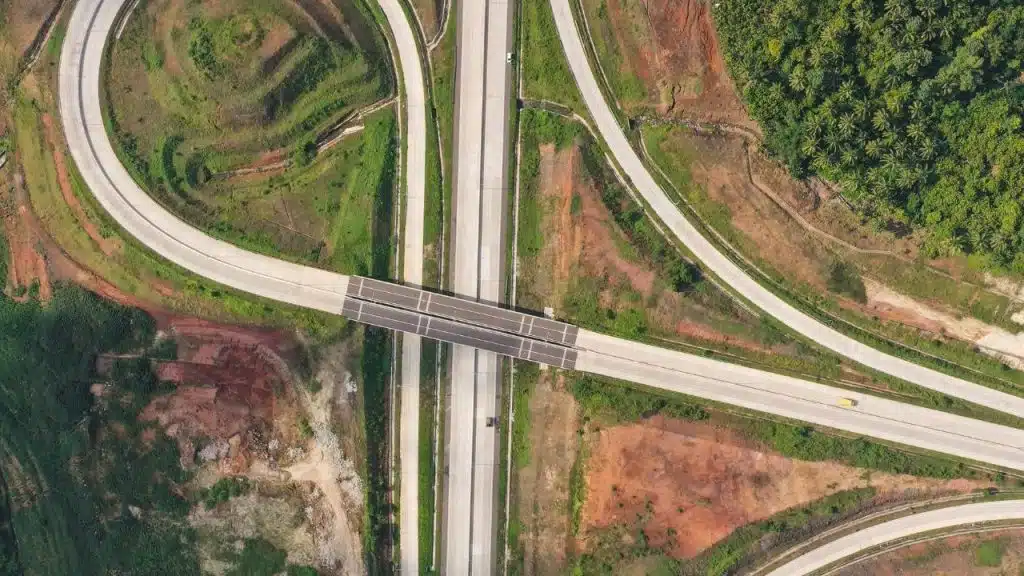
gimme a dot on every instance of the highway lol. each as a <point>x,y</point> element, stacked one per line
<point>880,534</point>
<point>468,323</point>
<point>167,235</point>
<point>468,369</point>
<point>729,272</point>
<point>415,160</point>
<point>484,29</point>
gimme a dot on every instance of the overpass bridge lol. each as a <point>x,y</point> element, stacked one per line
<point>460,321</point>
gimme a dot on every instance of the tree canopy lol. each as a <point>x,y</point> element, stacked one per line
<point>913,107</point>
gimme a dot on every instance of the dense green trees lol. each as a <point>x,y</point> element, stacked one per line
<point>913,107</point>
<point>83,499</point>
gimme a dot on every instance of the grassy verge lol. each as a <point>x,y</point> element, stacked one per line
<point>626,86</point>
<point>546,74</point>
<point>526,376</point>
<point>378,532</point>
<point>428,465</point>
<point>439,197</point>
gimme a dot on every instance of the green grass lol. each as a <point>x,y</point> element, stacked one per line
<point>224,490</point>
<point>376,366</point>
<point>440,155</point>
<point>368,191</point>
<point>545,72</point>
<point>625,84</point>
<point>989,553</point>
<point>223,107</point>
<point>259,557</point>
<point>526,377</point>
<point>427,450</point>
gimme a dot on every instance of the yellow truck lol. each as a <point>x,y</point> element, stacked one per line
<point>847,402</point>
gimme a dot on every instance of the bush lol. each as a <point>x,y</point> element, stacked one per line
<point>844,279</point>
<point>224,490</point>
<point>989,553</point>
<point>200,48</point>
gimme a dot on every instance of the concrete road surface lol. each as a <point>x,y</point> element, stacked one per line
<point>919,523</point>
<point>729,272</point>
<point>800,400</point>
<point>80,76</point>
<point>415,159</point>
<point>466,376</point>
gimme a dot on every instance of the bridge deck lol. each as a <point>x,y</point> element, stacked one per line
<point>447,330</point>
<point>461,310</point>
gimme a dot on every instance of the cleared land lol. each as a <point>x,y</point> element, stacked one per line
<point>659,485</point>
<point>233,116</point>
<point>662,57</point>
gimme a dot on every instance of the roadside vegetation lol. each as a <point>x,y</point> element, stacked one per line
<point>545,72</point>
<point>552,492</point>
<point>245,120</point>
<point>832,286</point>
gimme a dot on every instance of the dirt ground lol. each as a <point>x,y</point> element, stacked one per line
<point>23,21</point>
<point>671,46</point>
<point>543,485</point>
<point>239,410</point>
<point>583,241</point>
<point>429,14</point>
<point>703,482</point>
<point>953,556</point>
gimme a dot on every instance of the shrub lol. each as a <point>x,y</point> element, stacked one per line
<point>844,279</point>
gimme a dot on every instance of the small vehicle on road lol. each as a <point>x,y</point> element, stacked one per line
<point>847,402</point>
<point>491,421</point>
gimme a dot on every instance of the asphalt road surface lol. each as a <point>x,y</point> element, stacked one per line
<point>880,534</point>
<point>729,272</point>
